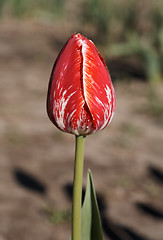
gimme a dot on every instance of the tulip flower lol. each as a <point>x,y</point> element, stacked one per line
<point>81,100</point>
<point>81,97</point>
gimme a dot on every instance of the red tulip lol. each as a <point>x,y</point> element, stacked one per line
<point>81,97</point>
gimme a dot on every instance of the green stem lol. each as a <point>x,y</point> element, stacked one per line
<point>77,188</point>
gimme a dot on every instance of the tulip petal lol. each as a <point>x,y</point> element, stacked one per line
<point>66,102</point>
<point>81,97</point>
<point>98,89</point>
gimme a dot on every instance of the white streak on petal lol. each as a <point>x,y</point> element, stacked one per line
<point>108,93</point>
<point>99,101</point>
<point>108,115</point>
<point>86,75</point>
<point>59,109</point>
<point>71,115</point>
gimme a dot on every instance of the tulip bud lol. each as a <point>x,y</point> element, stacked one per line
<point>81,98</point>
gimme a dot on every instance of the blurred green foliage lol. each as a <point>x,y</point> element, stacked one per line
<point>30,8</point>
<point>124,28</point>
<point>129,28</point>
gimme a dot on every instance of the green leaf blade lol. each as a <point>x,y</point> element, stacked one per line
<point>91,228</point>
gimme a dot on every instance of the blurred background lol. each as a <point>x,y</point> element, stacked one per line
<point>36,159</point>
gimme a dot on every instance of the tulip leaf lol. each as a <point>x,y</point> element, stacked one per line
<point>91,228</point>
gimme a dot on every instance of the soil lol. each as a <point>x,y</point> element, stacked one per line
<point>36,159</point>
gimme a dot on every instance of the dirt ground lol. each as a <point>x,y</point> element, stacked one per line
<point>36,159</point>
